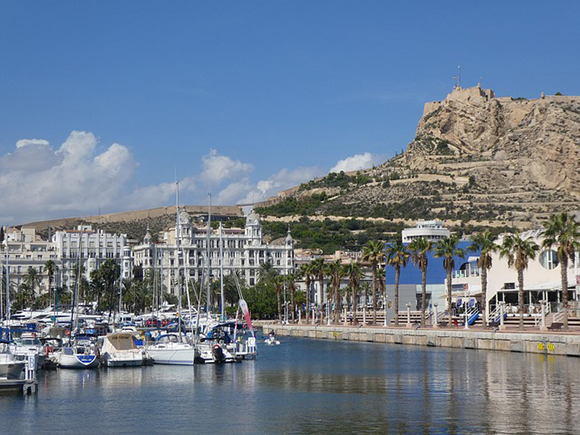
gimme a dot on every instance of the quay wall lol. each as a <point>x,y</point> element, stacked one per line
<point>540,343</point>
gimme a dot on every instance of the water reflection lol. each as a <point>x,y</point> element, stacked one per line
<point>309,386</point>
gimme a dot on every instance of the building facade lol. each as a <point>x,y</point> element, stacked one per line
<point>192,251</point>
<point>431,230</point>
<point>24,249</point>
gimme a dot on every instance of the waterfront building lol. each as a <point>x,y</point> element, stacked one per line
<point>184,249</point>
<point>542,279</point>
<point>94,247</point>
<point>27,250</point>
<point>432,230</point>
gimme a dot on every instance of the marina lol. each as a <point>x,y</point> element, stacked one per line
<point>314,386</point>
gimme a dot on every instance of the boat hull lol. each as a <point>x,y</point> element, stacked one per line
<point>78,361</point>
<point>172,356</point>
<point>123,359</point>
<point>11,370</point>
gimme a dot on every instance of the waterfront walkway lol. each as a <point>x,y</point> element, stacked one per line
<point>531,340</point>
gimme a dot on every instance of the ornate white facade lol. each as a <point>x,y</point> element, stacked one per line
<point>230,249</point>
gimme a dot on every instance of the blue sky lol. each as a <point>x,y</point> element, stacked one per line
<point>101,103</point>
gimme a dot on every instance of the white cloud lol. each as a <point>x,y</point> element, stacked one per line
<point>218,168</point>
<point>283,179</point>
<point>25,142</point>
<point>357,162</point>
<point>158,195</point>
<point>38,182</point>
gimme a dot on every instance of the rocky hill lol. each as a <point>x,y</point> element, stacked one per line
<point>475,159</point>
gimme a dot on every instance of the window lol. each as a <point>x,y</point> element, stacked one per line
<point>549,259</point>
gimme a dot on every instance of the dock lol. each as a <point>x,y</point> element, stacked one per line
<point>547,343</point>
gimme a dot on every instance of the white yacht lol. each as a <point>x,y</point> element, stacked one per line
<point>172,348</point>
<point>10,367</point>
<point>81,353</point>
<point>26,345</point>
<point>120,349</point>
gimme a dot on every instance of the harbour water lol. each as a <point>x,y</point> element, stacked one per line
<point>312,386</point>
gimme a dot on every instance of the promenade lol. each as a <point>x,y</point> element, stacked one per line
<point>509,340</point>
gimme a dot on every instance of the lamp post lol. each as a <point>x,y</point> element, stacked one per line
<point>436,324</point>
<point>408,314</point>
<point>385,303</point>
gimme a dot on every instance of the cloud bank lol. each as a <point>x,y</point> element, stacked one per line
<point>38,181</point>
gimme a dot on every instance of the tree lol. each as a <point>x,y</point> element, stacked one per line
<point>306,271</point>
<point>447,249</point>
<point>484,244</point>
<point>382,280</point>
<point>318,269</point>
<point>419,248</point>
<point>50,270</point>
<point>266,273</point>
<point>373,253</point>
<point>336,272</point>
<point>563,230</point>
<point>354,273</point>
<point>519,252</point>
<point>279,283</point>
<point>32,280</point>
<point>109,272</point>
<point>397,257</point>
<point>291,283</point>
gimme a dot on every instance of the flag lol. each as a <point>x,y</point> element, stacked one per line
<point>246,312</point>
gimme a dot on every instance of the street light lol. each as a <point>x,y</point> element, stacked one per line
<point>436,315</point>
<point>408,314</point>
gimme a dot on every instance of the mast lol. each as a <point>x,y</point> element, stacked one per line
<point>7,279</point>
<point>179,253</point>
<point>222,301</point>
<point>208,275</point>
<point>74,313</point>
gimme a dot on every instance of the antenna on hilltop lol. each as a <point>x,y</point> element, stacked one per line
<point>457,79</point>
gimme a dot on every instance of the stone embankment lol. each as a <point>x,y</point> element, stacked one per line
<point>512,341</point>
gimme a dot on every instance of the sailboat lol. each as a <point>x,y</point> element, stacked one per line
<point>81,351</point>
<point>174,348</point>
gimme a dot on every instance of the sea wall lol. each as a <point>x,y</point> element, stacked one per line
<point>541,343</point>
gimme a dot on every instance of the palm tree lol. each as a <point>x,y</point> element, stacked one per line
<point>354,273</point>
<point>319,272</point>
<point>266,272</point>
<point>563,230</point>
<point>373,253</point>
<point>447,249</point>
<point>519,252</point>
<point>484,244</point>
<point>50,269</point>
<point>32,280</point>
<point>336,273</point>
<point>291,282</point>
<point>397,256</point>
<point>419,248</point>
<point>279,283</point>
<point>382,280</point>
<point>306,272</point>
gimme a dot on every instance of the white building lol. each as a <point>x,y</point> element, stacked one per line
<point>542,278</point>
<point>26,250</point>
<point>94,248</point>
<point>184,249</point>
<point>431,230</point>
